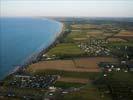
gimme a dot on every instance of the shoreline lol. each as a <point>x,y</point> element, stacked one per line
<point>34,58</point>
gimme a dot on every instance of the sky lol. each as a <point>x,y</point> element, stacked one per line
<point>79,8</point>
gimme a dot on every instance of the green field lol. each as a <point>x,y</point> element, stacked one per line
<point>89,92</point>
<point>21,92</point>
<point>120,85</point>
<point>65,50</point>
<point>88,75</point>
<point>120,44</point>
<point>75,34</point>
<point>122,76</point>
<point>65,85</point>
<point>83,35</point>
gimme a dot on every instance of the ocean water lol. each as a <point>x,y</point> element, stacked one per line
<point>20,38</point>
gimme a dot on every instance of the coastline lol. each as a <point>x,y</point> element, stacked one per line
<point>34,58</point>
<point>60,34</point>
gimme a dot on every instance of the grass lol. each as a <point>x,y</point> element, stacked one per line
<point>20,92</point>
<point>119,84</point>
<point>113,44</point>
<point>83,35</point>
<point>10,98</point>
<point>88,75</point>
<point>65,85</point>
<point>119,77</point>
<point>75,34</point>
<point>66,49</point>
<point>87,93</point>
<point>122,76</point>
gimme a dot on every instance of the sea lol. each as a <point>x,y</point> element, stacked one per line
<point>21,38</point>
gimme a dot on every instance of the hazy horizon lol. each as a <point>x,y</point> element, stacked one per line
<point>66,8</point>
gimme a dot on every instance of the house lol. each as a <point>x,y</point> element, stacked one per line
<point>22,76</point>
<point>130,67</point>
<point>123,62</point>
<point>52,89</point>
<point>1,83</point>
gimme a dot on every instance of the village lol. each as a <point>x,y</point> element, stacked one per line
<point>88,59</point>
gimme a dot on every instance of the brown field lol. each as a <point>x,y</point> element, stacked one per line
<point>85,26</point>
<point>79,39</point>
<point>125,33</point>
<point>124,37</point>
<point>92,62</point>
<point>95,33</point>
<point>75,30</point>
<point>73,80</point>
<point>116,40</point>
<point>79,65</point>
